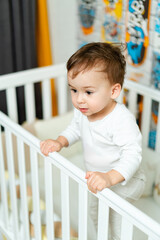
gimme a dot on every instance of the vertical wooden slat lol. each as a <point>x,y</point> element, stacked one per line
<point>3,184</point>
<point>126,230</point>
<point>61,83</point>
<point>158,132</point>
<point>49,200</point>
<point>22,173</point>
<point>82,222</point>
<point>12,104</point>
<point>10,163</point>
<point>30,102</point>
<point>103,221</point>
<point>132,103</point>
<point>35,193</point>
<point>65,206</point>
<point>46,99</point>
<point>146,116</point>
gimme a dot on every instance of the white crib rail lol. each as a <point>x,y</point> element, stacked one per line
<point>107,199</point>
<point>49,199</point>
<point>28,78</point>
<point>46,96</point>
<point>82,230</point>
<point>29,102</point>
<point>10,82</point>
<point>103,220</point>
<point>4,210</point>
<point>149,94</point>
<point>131,216</point>
<point>22,175</point>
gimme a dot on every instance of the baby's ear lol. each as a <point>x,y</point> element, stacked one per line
<point>116,89</point>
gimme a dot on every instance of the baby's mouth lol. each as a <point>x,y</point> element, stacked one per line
<point>83,110</point>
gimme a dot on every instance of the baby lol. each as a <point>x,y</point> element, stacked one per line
<point>110,136</point>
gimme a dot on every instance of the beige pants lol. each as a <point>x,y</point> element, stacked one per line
<point>131,191</point>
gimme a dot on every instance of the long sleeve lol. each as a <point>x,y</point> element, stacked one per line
<point>72,132</point>
<point>128,138</point>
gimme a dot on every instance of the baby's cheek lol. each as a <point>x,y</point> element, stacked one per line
<point>94,106</point>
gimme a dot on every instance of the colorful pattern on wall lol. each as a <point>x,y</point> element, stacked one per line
<point>87,13</point>
<point>153,127</point>
<point>113,21</point>
<point>136,23</point>
<point>157,27</point>
<point>137,31</point>
<point>137,39</point>
<point>89,20</point>
<point>156,50</point>
<point>156,70</point>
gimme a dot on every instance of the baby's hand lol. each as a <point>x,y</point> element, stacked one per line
<point>97,181</point>
<point>50,145</point>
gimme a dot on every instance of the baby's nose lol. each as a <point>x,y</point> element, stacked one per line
<point>80,98</point>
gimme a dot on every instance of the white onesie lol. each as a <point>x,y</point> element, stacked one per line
<point>113,142</point>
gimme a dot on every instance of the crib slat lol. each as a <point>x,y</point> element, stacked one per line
<point>62,94</point>
<point>146,115</point>
<point>126,230</point>
<point>158,132</point>
<point>46,99</point>
<point>49,200</point>
<point>132,102</point>
<point>35,193</point>
<point>22,173</point>
<point>82,222</point>
<point>12,104</point>
<point>65,206</point>
<point>103,220</point>
<point>12,184</point>
<point>3,184</point>
<point>30,102</point>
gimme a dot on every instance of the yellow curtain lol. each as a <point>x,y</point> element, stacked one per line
<point>43,44</point>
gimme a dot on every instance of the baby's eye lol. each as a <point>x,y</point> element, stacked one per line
<point>89,92</point>
<point>74,90</point>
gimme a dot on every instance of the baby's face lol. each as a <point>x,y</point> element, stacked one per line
<point>91,93</point>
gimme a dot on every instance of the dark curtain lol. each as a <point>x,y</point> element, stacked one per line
<point>17,44</point>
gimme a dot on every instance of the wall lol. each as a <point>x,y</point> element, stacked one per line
<point>62,24</point>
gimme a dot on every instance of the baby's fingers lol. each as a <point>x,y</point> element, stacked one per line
<point>92,189</point>
<point>45,147</point>
<point>88,174</point>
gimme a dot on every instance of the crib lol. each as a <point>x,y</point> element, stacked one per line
<point>71,207</point>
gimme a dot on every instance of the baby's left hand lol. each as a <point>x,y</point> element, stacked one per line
<point>97,181</point>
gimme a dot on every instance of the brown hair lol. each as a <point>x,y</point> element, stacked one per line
<point>107,55</point>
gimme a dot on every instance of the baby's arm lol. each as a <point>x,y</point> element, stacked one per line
<point>69,136</point>
<point>50,145</point>
<point>97,181</point>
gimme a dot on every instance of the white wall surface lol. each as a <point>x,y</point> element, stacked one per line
<point>62,24</point>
